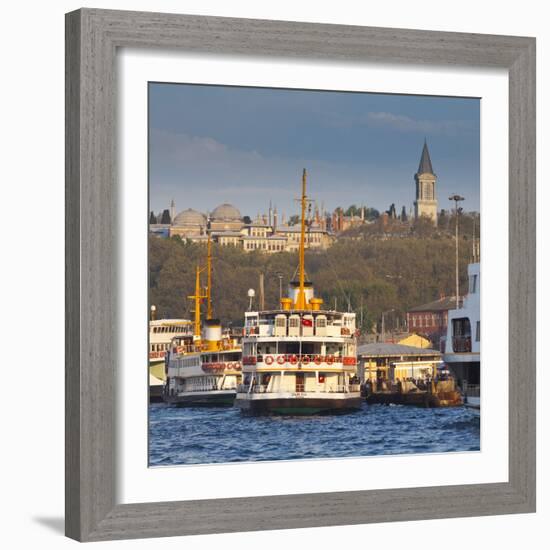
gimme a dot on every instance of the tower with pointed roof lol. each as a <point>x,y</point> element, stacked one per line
<point>426,200</point>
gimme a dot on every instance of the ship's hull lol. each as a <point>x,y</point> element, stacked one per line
<point>467,374</point>
<point>257,405</point>
<point>156,380</point>
<point>202,399</point>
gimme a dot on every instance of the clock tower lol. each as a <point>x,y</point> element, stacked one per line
<point>426,202</point>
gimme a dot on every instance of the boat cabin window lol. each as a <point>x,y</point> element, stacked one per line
<point>462,335</point>
<point>280,321</point>
<point>474,283</point>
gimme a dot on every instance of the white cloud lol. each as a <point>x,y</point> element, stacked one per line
<point>404,123</point>
<point>201,172</point>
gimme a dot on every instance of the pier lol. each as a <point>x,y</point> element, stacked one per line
<point>405,375</point>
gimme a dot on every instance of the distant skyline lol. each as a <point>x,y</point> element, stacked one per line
<point>248,146</point>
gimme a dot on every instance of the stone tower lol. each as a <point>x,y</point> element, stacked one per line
<point>426,201</point>
<point>172,211</point>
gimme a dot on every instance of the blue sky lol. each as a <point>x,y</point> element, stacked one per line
<point>247,146</point>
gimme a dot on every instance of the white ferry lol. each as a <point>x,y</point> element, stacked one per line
<point>299,359</point>
<point>207,369</point>
<point>462,343</point>
<point>161,333</point>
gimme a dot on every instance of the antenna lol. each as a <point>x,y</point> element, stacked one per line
<point>301,297</point>
<point>197,298</point>
<point>209,274</point>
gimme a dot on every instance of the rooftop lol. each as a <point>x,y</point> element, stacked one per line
<point>443,304</point>
<point>425,166</point>
<point>384,350</point>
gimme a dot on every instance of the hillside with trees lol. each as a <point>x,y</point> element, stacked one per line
<point>366,274</point>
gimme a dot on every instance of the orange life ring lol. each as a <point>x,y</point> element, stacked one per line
<point>293,359</point>
<point>317,360</point>
<point>330,359</point>
<point>306,359</point>
<point>268,360</point>
<point>281,359</point>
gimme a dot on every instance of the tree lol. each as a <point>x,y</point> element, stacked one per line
<point>152,218</point>
<point>371,214</point>
<point>247,220</point>
<point>293,220</point>
<point>423,226</point>
<point>165,219</point>
<point>353,210</point>
<point>404,214</point>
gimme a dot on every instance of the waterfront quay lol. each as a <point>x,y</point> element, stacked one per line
<point>405,375</point>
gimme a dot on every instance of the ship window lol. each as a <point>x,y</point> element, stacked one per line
<point>473,284</point>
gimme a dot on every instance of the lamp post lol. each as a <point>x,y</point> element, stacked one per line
<point>383,327</point>
<point>280,276</point>
<point>457,199</point>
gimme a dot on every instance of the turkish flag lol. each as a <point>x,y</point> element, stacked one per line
<point>307,322</point>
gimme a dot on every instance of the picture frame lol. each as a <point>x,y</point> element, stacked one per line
<point>92,39</point>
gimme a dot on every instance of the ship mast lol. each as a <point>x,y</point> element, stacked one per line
<point>197,297</point>
<point>209,277</point>
<point>301,298</point>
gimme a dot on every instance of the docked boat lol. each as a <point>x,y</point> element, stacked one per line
<point>206,369</point>
<point>299,358</point>
<point>161,333</point>
<point>462,342</point>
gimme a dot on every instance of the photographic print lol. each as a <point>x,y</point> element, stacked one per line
<point>314,274</point>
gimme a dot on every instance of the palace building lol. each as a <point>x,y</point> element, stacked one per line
<point>228,228</point>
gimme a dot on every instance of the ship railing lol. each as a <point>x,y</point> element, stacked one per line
<point>299,388</point>
<point>472,390</point>
<point>302,359</point>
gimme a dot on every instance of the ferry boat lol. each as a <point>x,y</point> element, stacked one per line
<point>206,369</point>
<point>161,333</point>
<point>461,345</point>
<point>300,358</point>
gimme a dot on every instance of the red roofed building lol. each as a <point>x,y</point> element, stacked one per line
<point>431,319</point>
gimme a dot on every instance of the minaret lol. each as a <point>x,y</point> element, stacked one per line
<point>274,219</point>
<point>172,211</point>
<point>270,216</point>
<point>426,201</point>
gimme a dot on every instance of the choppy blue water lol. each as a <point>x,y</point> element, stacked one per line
<point>209,435</point>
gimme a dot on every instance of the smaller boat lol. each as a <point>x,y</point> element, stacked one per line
<point>205,373</point>
<point>205,370</point>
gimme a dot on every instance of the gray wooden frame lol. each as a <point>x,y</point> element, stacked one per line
<point>92,39</point>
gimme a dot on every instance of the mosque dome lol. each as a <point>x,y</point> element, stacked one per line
<point>189,217</point>
<point>226,212</point>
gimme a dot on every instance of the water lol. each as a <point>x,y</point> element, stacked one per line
<point>210,435</point>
